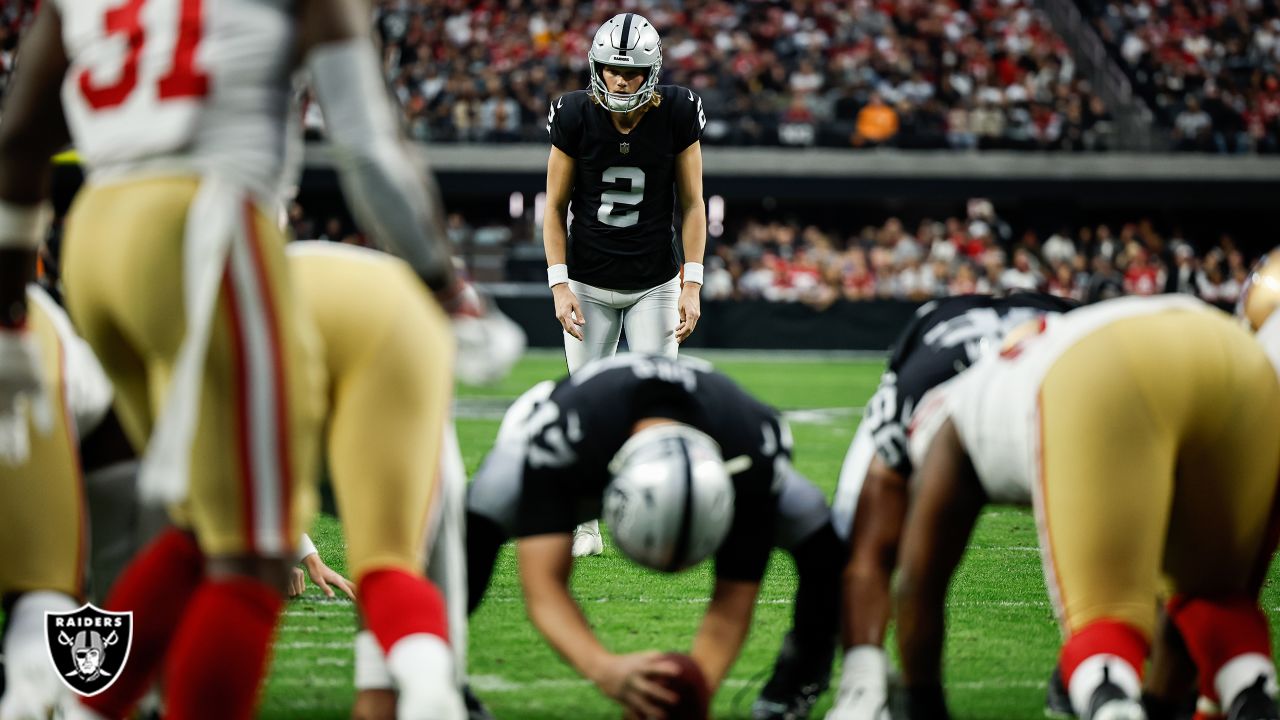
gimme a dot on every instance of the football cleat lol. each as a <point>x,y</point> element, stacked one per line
<point>1109,702</point>
<point>1254,703</point>
<point>587,539</point>
<point>475,709</point>
<point>799,679</point>
<point>1057,703</point>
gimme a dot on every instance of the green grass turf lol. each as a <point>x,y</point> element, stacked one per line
<point>1001,645</point>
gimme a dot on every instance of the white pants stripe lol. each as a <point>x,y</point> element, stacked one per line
<point>261,393</point>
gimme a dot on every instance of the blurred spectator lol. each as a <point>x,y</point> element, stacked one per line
<point>876,125</point>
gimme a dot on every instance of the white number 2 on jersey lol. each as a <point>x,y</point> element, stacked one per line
<point>629,198</point>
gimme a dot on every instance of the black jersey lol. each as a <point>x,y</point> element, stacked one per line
<point>573,433</point>
<point>944,338</point>
<point>622,235</point>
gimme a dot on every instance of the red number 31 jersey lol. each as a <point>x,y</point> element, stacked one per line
<point>185,85</point>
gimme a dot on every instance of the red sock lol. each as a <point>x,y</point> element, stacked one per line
<point>1216,631</point>
<point>157,586</point>
<point>396,603</point>
<point>1109,637</point>
<point>220,652</point>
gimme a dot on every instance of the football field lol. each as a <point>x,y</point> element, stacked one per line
<point>1002,639</point>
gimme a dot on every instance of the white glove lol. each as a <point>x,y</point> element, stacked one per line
<point>489,345</point>
<point>864,686</point>
<point>22,395</point>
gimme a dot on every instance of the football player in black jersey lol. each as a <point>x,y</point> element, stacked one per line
<point>943,339</point>
<point>684,465</point>
<point>621,151</point>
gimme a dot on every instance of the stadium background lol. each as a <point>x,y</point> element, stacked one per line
<point>861,157</point>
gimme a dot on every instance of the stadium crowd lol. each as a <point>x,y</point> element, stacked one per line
<point>902,72</point>
<point>1208,68</point>
<point>977,253</point>
<point>906,73</point>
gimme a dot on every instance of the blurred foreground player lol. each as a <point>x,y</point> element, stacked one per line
<point>943,338</point>
<point>684,465</point>
<point>43,528</point>
<point>1143,431</point>
<point>623,152</point>
<point>175,274</point>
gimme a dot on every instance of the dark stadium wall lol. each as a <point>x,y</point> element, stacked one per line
<point>753,324</point>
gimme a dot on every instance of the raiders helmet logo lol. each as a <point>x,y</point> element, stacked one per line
<point>624,148</point>
<point>89,646</point>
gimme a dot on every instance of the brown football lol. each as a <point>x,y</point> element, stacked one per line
<point>691,686</point>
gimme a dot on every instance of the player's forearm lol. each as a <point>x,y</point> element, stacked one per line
<point>693,231</point>
<point>555,236</point>
<point>385,191</point>
<point>724,628</point>
<point>554,613</point>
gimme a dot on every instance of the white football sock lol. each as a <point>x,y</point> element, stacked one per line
<point>422,666</point>
<point>372,672</point>
<point>1240,672</point>
<point>1089,675</point>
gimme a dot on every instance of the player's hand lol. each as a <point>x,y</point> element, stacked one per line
<point>461,299</point>
<point>632,681</point>
<point>297,582</point>
<point>21,392</point>
<point>690,310</point>
<point>568,311</point>
<point>323,576</point>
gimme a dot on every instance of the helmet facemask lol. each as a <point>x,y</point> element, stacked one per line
<point>625,41</point>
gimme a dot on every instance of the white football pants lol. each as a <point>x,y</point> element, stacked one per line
<point>648,316</point>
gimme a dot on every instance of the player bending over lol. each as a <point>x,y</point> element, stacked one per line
<point>943,338</point>
<point>175,275</point>
<point>1142,430</point>
<point>685,465</point>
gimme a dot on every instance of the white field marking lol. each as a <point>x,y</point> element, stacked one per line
<point>1012,548</point>
<point>783,601</point>
<point>311,629</point>
<point>338,599</point>
<point>493,408</point>
<point>499,684</point>
<point>313,681</point>
<point>348,613</point>
<point>822,416</point>
<point>315,645</point>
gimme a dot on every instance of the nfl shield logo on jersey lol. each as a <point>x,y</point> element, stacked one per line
<point>88,646</point>
<point>624,148</point>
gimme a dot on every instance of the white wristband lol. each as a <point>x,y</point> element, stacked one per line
<point>693,272</point>
<point>305,547</point>
<point>557,274</point>
<point>23,226</point>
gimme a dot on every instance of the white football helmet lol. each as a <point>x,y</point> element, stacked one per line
<point>625,40</point>
<point>670,503</point>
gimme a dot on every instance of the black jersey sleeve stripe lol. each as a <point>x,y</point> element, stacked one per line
<point>626,32</point>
